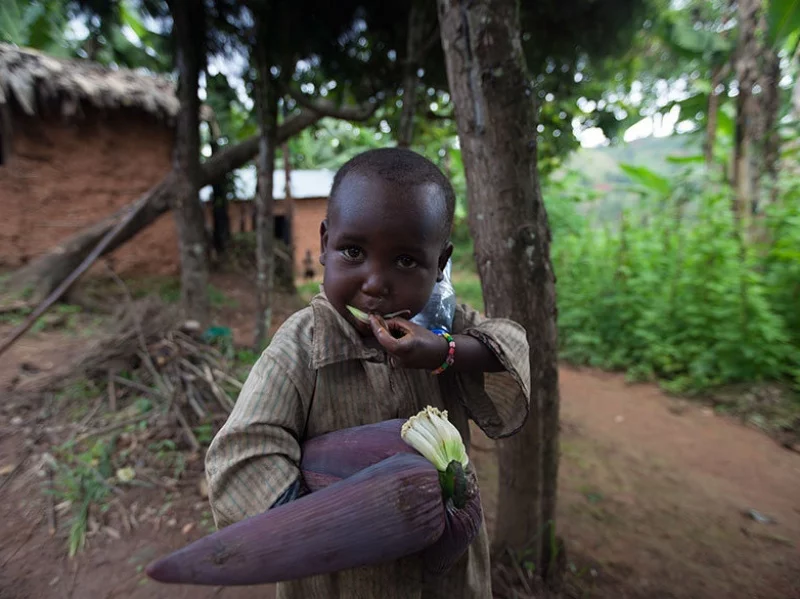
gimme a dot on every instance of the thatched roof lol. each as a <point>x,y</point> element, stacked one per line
<point>33,78</point>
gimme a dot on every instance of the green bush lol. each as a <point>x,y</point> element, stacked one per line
<point>682,299</point>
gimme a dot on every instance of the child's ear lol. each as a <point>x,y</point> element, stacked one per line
<point>443,258</point>
<point>323,241</point>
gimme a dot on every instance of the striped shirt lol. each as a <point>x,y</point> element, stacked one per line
<point>317,376</point>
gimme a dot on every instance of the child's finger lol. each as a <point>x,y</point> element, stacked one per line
<point>382,334</point>
<point>400,326</point>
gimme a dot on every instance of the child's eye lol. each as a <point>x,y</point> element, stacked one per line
<point>353,253</point>
<point>406,262</point>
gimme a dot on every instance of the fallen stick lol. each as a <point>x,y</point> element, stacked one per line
<point>219,393</point>
<point>186,428</point>
<point>193,402</point>
<point>51,503</point>
<point>112,394</point>
<point>111,427</point>
<point>520,573</point>
<point>144,354</point>
<point>228,379</point>
<point>139,387</point>
<point>14,307</point>
<point>91,413</point>
<point>16,469</point>
<point>27,538</point>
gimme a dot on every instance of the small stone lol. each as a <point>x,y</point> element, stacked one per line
<point>759,517</point>
<point>619,419</point>
<point>7,469</point>
<point>678,408</point>
<point>112,532</point>
<point>202,488</point>
<point>191,326</point>
<point>16,421</point>
<point>187,528</point>
<point>126,475</point>
<point>172,523</point>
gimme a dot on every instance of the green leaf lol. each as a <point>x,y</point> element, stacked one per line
<point>647,178</point>
<point>11,23</point>
<point>131,19</point>
<point>697,158</point>
<point>694,43</point>
<point>783,17</point>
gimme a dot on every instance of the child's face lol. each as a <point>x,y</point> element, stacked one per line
<point>383,246</point>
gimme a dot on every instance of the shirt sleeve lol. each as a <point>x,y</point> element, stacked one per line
<point>498,402</point>
<point>254,459</point>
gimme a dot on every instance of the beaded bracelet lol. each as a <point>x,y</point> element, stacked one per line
<point>451,352</point>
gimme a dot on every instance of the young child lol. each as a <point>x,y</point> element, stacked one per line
<point>384,244</point>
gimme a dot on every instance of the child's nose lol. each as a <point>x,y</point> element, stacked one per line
<point>375,284</point>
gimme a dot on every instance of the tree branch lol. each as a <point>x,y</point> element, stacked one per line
<point>428,44</point>
<point>360,112</point>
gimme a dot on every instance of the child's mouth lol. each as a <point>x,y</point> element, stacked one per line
<point>362,320</point>
<point>364,317</point>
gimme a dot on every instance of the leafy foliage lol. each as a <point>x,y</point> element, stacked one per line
<point>673,292</point>
<point>38,24</point>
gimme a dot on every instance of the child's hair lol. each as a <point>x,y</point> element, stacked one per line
<point>400,166</point>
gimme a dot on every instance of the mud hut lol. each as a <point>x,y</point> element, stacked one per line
<point>77,142</point>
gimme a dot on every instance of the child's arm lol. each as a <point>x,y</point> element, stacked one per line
<point>491,371</point>
<point>252,462</point>
<point>420,348</point>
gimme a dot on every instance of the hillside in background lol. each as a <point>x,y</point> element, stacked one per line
<point>600,165</point>
<point>600,168</point>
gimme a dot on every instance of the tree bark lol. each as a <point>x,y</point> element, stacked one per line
<point>267,105</point>
<point>290,222</point>
<point>717,73</point>
<point>770,109</point>
<point>746,75</point>
<point>220,217</point>
<point>496,118</point>
<point>189,34</point>
<point>414,41</point>
<point>43,275</point>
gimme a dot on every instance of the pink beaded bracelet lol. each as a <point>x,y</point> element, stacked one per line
<point>451,352</point>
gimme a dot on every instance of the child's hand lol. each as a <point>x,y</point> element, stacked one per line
<point>408,344</point>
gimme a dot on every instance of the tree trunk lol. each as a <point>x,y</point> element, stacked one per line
<point>40,277</point>
<point>496,118</point>
<point>289,217</point>
<point>770,109</point>
<point>414,41</point>
<point>746,75</point>
<point>711,120</point>
<point>189,34</point>
<point>220,217</point>
<point>267,106</point>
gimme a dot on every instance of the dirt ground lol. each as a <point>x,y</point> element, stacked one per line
<point>655,496</point>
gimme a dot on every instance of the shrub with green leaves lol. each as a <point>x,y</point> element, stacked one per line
<point>673,292</point>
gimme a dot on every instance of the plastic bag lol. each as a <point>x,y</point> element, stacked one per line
<point>438,313</point>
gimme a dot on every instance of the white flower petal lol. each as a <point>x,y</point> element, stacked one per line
<point>421,444</point>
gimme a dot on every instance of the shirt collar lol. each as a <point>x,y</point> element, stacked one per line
<point>334,339</point>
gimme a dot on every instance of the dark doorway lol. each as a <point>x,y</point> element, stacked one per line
<point>282,229</point>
